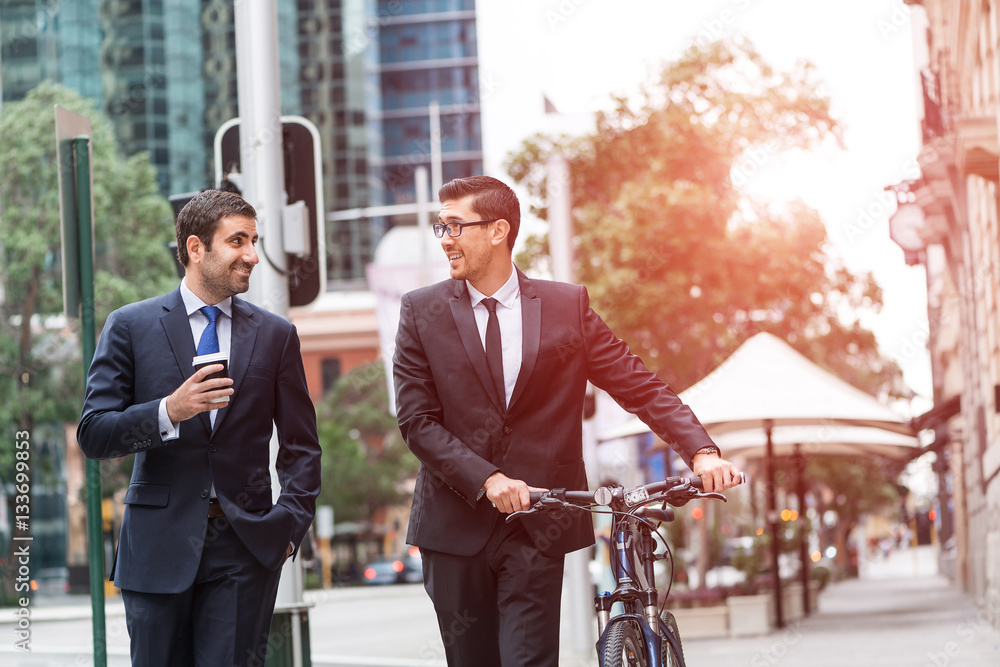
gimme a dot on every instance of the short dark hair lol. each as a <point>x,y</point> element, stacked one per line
<point>200,217</point>
<point>490,199</point>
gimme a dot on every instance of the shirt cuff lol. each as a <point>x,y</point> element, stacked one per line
<point>168,429</point>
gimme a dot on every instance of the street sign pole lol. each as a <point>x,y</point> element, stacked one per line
<point>95,533</point>
<point>76,202</point>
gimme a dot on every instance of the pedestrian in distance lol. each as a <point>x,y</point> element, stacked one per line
<point>490,374</point>
<point>202,543</point>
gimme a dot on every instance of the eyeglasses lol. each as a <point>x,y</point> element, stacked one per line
<point>455,228</point>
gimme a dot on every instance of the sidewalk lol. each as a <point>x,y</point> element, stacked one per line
<point>900,612</point>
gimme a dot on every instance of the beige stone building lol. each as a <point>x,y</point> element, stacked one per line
<point>947,221</point>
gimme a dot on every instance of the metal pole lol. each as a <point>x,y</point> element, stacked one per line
<point>560,219</point>
<point>261,151</point>
<point>95,532</point>
<point>262,164</point>
<point>578,587</point>
<point>434,118</point>
<point>772,521</point>
<point>800,492</point>
<point>423,221</point>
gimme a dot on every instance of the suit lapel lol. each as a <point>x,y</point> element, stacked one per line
<point>242,339</point>
<point>531,333</point>
<point>178,330</point>
<point>465,321</point>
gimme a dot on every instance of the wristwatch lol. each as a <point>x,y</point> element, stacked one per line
<point>708,449</point>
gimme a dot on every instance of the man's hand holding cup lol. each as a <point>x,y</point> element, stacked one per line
<point>209,388</point>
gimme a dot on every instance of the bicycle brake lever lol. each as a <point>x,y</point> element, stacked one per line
<point>519,513</point>
<point>681,496</point>
<point>545,504</point>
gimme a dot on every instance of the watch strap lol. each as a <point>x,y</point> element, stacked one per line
<point>708,449</point>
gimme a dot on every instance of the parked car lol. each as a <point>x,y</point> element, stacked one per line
<point>395,570</point>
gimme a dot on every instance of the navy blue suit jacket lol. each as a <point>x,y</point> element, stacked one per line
<point>454,423</point>
<point>143,355</point>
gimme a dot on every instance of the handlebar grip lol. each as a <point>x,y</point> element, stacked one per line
<point>574,497</point>
<point>740,479</point>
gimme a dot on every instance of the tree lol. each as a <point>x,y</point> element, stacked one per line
<point>39,353</point>
<point>679,262</point>
<point>855,486</point>
<point>365,460</point>
<point>41,371</point>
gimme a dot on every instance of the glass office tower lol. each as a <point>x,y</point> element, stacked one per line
<point>428,53</point>
<point>364,71</point>
<point>43,40</point>
<point>338,47</point>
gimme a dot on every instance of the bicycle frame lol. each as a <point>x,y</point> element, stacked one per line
<point>636,585</point>
<point>633,554</point>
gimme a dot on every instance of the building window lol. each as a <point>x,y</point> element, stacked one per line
<point>331,373</point>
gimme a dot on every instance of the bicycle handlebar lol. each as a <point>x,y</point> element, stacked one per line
<point>604,495</point>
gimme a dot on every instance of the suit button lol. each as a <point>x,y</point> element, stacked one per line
<point>204,493</point>
<point>211,448</point>
<point>507,430</point>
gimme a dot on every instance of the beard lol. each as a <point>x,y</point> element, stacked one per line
<point>223,281</point>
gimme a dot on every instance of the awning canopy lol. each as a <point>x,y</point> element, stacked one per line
<point>819,439</point>
<point>767,380</point>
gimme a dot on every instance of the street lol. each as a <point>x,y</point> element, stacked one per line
<point>900,612</point>
<point>364,626</point>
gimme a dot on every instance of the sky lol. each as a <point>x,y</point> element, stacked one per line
<point>578,53</point>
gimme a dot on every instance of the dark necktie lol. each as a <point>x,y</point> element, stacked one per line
<point>209,342</point>
<point>494,351</point>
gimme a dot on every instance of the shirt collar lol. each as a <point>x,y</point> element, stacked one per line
<point>506,295</point>
<point>193,303</point>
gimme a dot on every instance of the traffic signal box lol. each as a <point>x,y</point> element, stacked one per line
<point>302,222</point>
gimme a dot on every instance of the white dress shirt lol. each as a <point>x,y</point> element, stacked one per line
<point>509,317</point>
<point>198,321</point>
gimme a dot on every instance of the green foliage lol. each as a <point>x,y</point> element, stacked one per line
<point>365,460</point>
<point>859,484</point>
<point>40,363</point>
<point>752,561</point>
<point>679,262</point>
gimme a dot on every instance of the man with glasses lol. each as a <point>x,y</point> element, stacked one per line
<point>491,371</point>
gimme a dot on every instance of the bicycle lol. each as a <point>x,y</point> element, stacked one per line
<point>628,639</point>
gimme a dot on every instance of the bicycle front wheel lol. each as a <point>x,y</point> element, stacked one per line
<point>626,646</point>
<point>670,657</point>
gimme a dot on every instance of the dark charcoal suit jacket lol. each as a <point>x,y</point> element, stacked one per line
<point>461,433</point>
<point>143,355</point>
